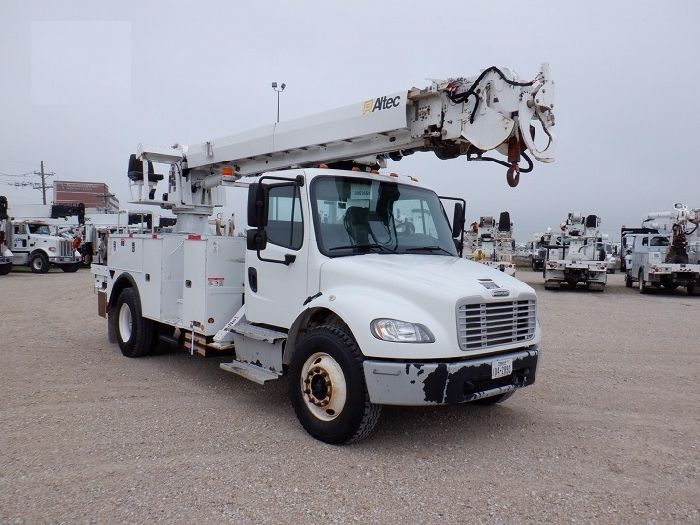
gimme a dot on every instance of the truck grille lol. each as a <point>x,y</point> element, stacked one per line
<point>66,248</point>
<point>481,325</point>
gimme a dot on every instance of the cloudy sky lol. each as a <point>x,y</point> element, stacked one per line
<point>83,82</point>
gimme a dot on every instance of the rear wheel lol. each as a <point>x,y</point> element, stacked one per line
<point>39,263</point>
<point>628,280</point>
<point>134,333</point>
<point>327,387</point>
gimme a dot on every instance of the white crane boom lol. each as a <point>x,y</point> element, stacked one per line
<point>453,117</point>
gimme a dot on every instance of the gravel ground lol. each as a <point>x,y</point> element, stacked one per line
<point>608,434</point>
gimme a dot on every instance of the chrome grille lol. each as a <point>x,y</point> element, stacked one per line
<point>481,325</point>
<point>66,248</point>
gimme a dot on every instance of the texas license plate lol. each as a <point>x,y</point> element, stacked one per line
<point>501,368</point>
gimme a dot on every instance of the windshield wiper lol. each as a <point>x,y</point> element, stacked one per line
<point>428,249</point>
<point>362,248</point>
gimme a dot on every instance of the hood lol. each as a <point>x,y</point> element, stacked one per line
<point>423,275</point>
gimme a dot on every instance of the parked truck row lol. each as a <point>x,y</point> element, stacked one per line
<point>36,241</point>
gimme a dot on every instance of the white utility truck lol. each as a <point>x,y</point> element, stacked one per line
<point>329,285</point>
<point>576,256</point>
<point>491,242</point>
<point>5,253</point>
<point>35,240</point>
<point>665,253</point>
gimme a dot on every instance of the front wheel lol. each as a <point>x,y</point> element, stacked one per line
<point>39,263</point>
<point>134,333</point>
<point>327,387</point>
<point>628,280</point>
<point>5,268</point>
<point>70,268</point>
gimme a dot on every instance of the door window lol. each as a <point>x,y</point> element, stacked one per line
<point>285,225</point>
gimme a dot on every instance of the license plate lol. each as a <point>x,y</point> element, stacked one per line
<point>503,367</point>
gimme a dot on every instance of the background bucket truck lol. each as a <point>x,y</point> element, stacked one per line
<point>577,257</point>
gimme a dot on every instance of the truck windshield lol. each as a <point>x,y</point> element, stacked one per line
<point>39,229</point>
<point>353,216</point>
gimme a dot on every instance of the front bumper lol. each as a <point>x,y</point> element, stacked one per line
<point>64,260</point>
<point>416,384</point>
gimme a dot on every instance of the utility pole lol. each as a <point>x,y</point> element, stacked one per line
<point>43,182</point>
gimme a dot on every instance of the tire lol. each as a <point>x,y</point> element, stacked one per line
<point>488,401</point>
<point>87,260</point>
<point>5,268</point>
<point>691,289</point>
<point>134,333</point>
<point>327,387</point>
<point>39,263</point>
<point>71,268</point>
<point>628,280</point>
<point>643,288</point>
<point>534,266</point>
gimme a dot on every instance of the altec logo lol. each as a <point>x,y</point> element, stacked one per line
<point>381,103</point>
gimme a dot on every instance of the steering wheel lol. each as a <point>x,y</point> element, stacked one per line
<point>405,228</point>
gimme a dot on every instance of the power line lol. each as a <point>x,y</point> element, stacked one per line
<point>35,185</point>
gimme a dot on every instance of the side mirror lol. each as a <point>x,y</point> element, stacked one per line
<point>458,220</point>
<point>258,203</point>
<point>256,240</point>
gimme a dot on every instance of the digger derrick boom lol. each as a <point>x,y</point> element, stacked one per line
<point>453,117</point>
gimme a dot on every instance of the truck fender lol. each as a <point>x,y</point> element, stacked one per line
<point>307,319</point>
<point>346,305</point>
<point>125,280</point>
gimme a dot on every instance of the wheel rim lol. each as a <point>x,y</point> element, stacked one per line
<point>125,323</point>
<point>323,386</point>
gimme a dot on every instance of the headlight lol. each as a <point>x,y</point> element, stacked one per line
<point>400,331</point>
<point>52,248</point>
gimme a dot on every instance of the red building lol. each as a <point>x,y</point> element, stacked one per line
<point>94,195</point>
